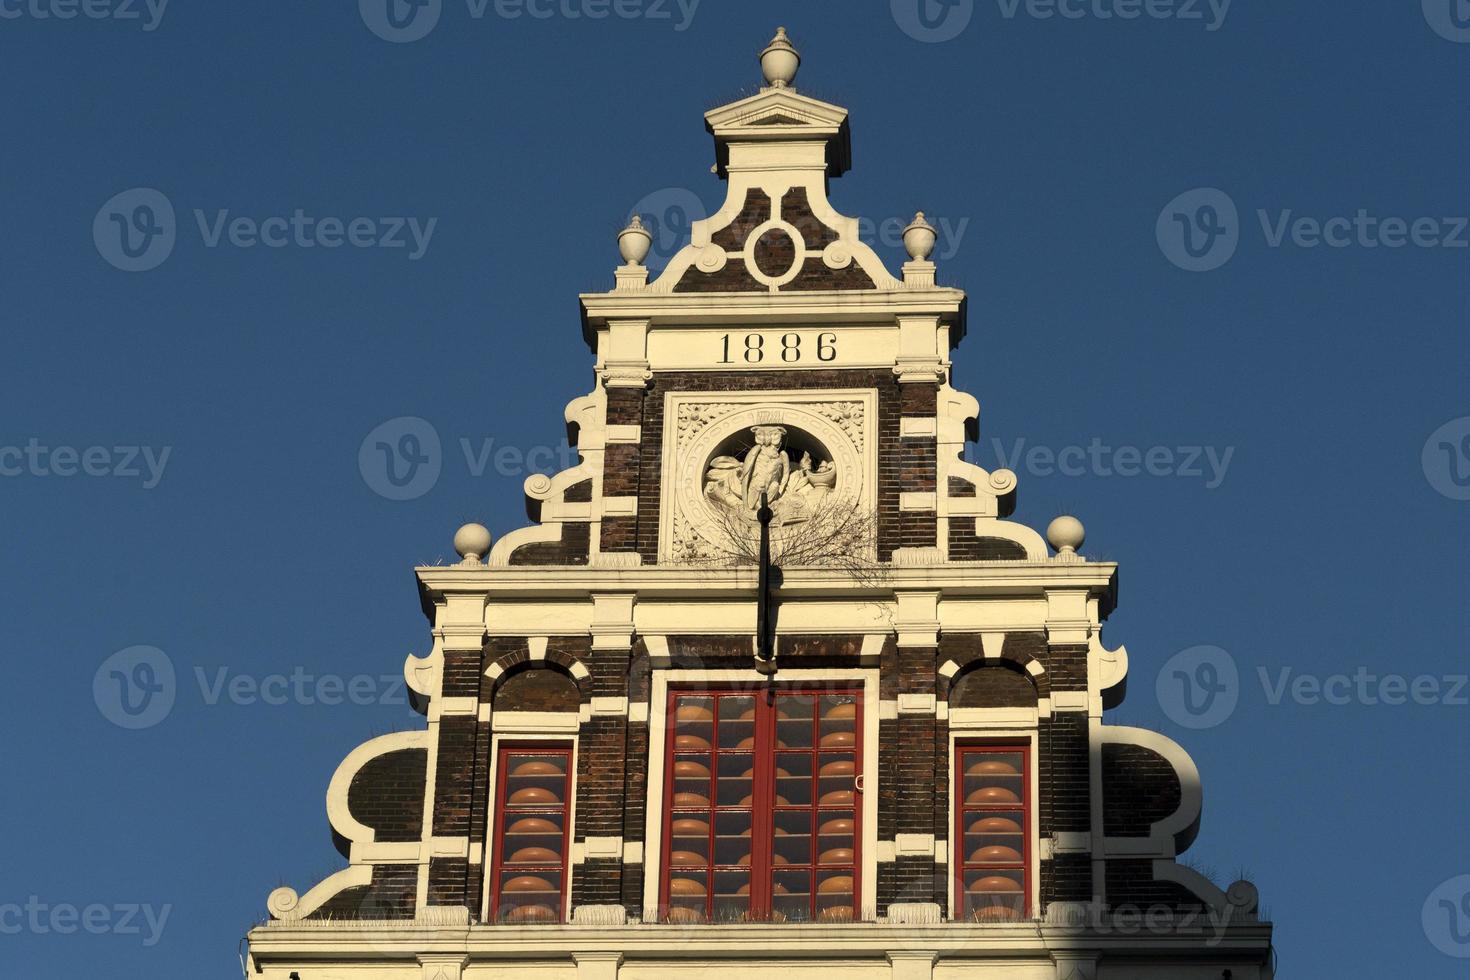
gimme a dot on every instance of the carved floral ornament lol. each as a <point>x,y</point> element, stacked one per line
<point>806,457</point>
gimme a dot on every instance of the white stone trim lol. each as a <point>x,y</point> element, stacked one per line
<point>535,722</point>
<point>453,706</point>
<point>1069,700</point>
<point>603,847</point>
<point>609,706</point>
<point>913,845</point>
<point>620,506</point>
<point>917,427</point>
<point>638,712</point>
<point>339,815</point>
<point>912,500</point>
<point>285,905</point>
<point>917,704</point>
<point>536,645</point>
<point>983,719</point>
<point>625,434</point>
<point>1173,834</point>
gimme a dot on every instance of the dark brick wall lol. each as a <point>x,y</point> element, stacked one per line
<point>1064,782</point>
<point>1140,788</point>
<point>387,794</point>
<point>537,689</point>
<point>448,881</point>
<point>463,670</point>
<point>964,545</point>
<point>1132,883</point>
<point>572,549</point>
<point>993,687</point>
<point>454,782</point>
<point>1066,878</point>
<point>391,895</point>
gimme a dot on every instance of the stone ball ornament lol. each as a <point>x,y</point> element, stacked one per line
<point>780,61</point>
<point>472,542</point>
<point>1066,534</point>
<point>634,242</point>
<point>919,238</point>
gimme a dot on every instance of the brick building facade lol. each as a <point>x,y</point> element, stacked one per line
<point>615,782</point>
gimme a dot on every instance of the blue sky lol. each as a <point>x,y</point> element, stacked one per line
<point>1125,201</point>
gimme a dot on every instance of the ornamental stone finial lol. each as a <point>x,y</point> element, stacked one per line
<point>1066,534</point>
<point>919,238</point>
<point>634,242</point>
<point>472,542</point>
<point>780,60</point>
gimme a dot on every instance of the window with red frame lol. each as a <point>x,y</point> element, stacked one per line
<point>993,833</point>
<point>762,806</point>
<point>532,809</point>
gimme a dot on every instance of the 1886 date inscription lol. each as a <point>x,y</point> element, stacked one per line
<point>792,348</point>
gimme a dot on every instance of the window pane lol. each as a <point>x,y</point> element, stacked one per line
<point>529,851</point>
<point>991,854</point>
<point>766,854</point>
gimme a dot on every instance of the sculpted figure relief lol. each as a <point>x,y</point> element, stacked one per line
<point>792,493</point>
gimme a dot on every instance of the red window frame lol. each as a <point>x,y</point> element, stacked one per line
<point>508,841</point>
<point>981,863</point>
<point>779,808</point>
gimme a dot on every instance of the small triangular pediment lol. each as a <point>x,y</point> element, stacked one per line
<point>775,107</point>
